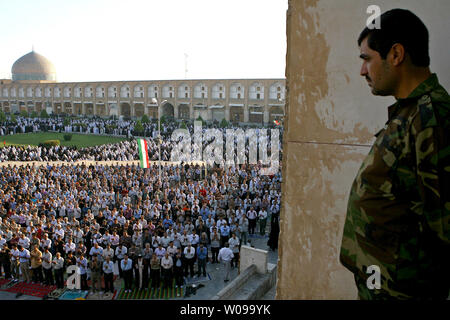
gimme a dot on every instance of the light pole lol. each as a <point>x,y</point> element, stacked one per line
<point>154,100</point>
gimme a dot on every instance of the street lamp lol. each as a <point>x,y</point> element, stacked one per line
<point>154,100</point>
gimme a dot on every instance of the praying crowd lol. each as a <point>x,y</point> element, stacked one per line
<point>126,150</point>
<point>153,231</point>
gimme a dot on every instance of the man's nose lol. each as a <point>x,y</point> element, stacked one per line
<point>363,71</point>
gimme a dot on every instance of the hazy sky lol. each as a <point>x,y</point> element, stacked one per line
<point>101,40</point>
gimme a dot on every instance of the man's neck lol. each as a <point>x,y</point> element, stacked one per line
<point>410,80</point>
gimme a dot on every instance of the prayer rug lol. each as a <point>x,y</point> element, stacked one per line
<point>74,295</point>
<point>31,289</point>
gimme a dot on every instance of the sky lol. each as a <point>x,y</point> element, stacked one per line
<point>112,40</point>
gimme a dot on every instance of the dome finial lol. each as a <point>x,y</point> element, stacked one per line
<point>32,47</point>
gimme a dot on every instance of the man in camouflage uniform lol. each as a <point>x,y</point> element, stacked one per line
<point>398,215</point>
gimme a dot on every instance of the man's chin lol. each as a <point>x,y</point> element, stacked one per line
<point>376,92</point>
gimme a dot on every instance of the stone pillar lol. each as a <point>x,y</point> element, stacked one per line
<point>331,117</point>
<point>266,114</point>
<point>246,111</point>
<point>227,112</point>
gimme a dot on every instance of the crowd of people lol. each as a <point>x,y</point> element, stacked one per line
<point>123,151</point>
<point>154,230</point>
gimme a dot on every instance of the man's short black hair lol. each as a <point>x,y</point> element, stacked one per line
<point>399,26</point>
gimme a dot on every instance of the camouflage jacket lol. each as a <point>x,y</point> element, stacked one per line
<point>398,211</point>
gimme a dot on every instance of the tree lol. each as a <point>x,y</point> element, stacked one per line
<point>34,114</point>
<point>2,116</point>
<point>24,114</point>
<point>66,122</point>
<point>145,119</point>
<point>224,123</point>
<point>13,118</point>
<point>183,125</point>
<point>201,119</point>
<point>163,119</point>
<point>139,128</point>
<point>44,113</point>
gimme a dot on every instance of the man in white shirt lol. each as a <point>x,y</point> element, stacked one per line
<point>82,263</point>
<point>126,265</point>
<point>24,241</point>
<point>121,251</point>
<point>234,246</point>
<point>166,268</point>
<point>108,270</point>
<point>225,256</point>
<point>47,266</point>
<point>189,255</point>
<point>24,259</point>
<point>107,252</point>
<point>252,215</point>
<point>58,268</point>
<point>171,249</point>
<point>69,247</point>
<point>262,219</point>
<point>15,264</point>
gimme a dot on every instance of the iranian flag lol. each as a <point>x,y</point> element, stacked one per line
<point>143,153</point>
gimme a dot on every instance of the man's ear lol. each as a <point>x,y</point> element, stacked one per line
<point>397,54</point>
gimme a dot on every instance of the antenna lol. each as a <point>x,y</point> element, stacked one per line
<point>185,65</point>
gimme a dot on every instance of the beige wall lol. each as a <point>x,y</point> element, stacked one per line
<point>331,119</point>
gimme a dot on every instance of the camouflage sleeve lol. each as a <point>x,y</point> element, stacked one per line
<point>432,150</point>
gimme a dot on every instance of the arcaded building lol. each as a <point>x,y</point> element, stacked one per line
<point>33,87</point>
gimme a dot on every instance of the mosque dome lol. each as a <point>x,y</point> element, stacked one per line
<point>33,66</point>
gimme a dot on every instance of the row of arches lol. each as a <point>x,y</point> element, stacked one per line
<point>236,90</point>
<point>236,113</point>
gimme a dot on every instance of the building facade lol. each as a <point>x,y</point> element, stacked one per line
<point>241,100</point>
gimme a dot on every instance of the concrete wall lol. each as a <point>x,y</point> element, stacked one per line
<point>252,256</point>
<point>331,120</point>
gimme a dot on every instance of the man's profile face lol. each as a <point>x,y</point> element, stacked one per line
<point>376,71</point>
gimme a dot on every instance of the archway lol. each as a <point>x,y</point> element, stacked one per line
<point>256,114</point>
<point>38,107</point>
<point>276,113</point>
<point>57,108</point>
<point>139,110</point>
<point>89,109</point>
<point>6,107</point>
<point>67,108</point>
<point>113,110</point>
<point>237,114</point>
<point>167,110</point>
<point>125,109</point>
<point>183,112</point>
<point>100,109</point>
<point>78,108</point>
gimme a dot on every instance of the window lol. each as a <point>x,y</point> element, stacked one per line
<point>238,95</point>
<point>256,91</point>
<point>221,95</point>
<point>186,95</point>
